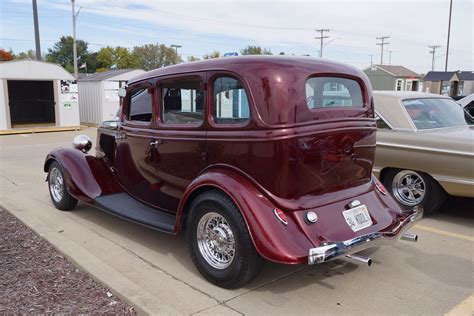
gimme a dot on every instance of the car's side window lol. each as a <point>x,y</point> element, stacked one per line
<point>381,124</point>
<point>141,105</point>
<point>230,103</point>
<point>182,102</point>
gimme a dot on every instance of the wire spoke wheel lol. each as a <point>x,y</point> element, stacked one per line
<point>56,184</point>
<point>408,187</point>
<point>215,240</point>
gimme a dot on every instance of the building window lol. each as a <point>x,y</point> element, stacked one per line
<point>399,85</point>
<point>182,102</point>
<point>140,105</point>
<point>230,102</point>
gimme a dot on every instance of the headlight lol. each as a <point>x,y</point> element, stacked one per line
<point>82,143</point>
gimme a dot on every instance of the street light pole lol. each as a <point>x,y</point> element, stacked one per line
<point>449,33</point>
<point>176,48</point>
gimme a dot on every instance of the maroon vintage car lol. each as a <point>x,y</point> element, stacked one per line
<point>254,157</point>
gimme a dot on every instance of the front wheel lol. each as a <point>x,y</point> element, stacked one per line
<point>61,198</point>
<point>411,188</point>
<point>219,242</point>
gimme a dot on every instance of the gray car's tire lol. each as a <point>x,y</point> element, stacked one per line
<point>219,242</point>
<point>60,196</point>
<point>411,188</point>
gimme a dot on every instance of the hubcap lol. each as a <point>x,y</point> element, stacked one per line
<point>56,184</point>
<point>408,187</point>
<point>216,240</point>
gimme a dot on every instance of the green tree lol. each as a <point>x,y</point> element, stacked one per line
<point>61,52</point>
<point>282,53</point>
<point>255,50</point>
<point>120,57</point>
<point>151,56</point>
<point>29,54</point>
<point>214,54</point>
<point>193,58</point>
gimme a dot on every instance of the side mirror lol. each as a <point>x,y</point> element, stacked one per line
<point>122,92</point>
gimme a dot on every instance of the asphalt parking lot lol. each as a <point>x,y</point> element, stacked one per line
<point>153,271</point>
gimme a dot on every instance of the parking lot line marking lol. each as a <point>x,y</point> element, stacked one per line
<point>466,307</point>
<point>444,232</point>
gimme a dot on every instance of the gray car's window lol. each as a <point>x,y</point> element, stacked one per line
<point>434,113</point>
<point>323,92</point>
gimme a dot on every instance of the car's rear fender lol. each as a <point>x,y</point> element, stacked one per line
<point>273,240</point>
<point>86,176</point>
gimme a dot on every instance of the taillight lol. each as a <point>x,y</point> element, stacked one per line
<point>280,216</point>
<point>380,186</point>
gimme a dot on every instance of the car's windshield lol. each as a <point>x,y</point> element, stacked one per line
<point>434,113</point>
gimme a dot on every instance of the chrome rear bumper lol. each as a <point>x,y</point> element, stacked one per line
<point>333,250</point>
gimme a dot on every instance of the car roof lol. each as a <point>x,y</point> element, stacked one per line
<point>388,106</point>
<point>245,65</point>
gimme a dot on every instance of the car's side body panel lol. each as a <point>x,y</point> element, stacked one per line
<point>445,154</point>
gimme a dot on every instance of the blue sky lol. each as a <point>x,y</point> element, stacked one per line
<point>227,26</point>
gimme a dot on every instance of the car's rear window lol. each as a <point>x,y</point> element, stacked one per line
<point>434,112</point>
<point>327,92</point>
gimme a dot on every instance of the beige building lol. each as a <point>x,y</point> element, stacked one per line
<point>452,83</point>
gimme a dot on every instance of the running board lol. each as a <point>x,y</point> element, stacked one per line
<point>125,206</point>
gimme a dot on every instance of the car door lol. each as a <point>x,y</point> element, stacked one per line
<point>136,156</point>
<point>181,135</point>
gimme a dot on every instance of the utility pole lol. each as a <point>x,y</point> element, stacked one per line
<point>433,52</point>
<point>74,46</point>
<point>449,33</point>
<point>390,57</point>
<point>37,36</point>
<point>321,38</point>
<point>382,44</point>
<point>371,59</point>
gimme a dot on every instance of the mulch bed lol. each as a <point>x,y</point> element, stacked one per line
<point>36,279</point>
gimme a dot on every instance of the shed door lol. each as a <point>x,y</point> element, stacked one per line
<point>31,102</point>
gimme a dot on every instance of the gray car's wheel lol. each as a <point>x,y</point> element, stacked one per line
<point>411,188</point>
<point>61,198</point>
<point>219,242</point>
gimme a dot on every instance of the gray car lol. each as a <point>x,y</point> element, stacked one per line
<point>425,148</point>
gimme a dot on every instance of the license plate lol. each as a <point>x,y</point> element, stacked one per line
<point>357,218</point>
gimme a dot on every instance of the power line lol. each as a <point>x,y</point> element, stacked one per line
<point>433,52</point>
<point>321,38</point>
<point>382,44</point>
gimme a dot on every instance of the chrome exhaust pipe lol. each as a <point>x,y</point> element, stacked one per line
<point>409,237</point>
<point>366,260</point>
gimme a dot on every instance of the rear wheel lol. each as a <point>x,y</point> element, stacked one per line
<point>219,242</point>
<point>411,188</point>
<point>61,198</point>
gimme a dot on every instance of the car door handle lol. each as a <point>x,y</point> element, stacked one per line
<point>156,142</point>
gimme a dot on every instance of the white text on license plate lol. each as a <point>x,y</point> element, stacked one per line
<point>357,218</point>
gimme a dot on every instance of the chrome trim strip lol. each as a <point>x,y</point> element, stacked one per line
<point>460,153</point>
<point>333,250</point>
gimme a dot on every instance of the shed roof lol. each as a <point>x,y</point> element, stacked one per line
<point>398,71</point>
<point>28,69</point>
<point>439,75</point>
<point>114,74</point>
<point>466,75</point>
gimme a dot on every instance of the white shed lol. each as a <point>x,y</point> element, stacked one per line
<point>98,94</point>
<point>36,94</point>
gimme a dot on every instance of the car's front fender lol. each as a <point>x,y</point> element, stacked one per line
<point>86,176</point>
<point>272,239</point>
